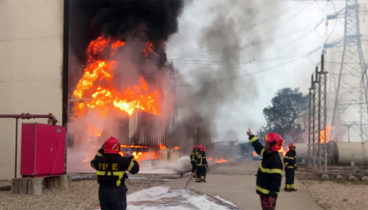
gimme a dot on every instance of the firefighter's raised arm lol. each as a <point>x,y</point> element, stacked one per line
<point>258,147</point>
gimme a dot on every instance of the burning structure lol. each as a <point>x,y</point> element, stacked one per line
<point>123,87</point>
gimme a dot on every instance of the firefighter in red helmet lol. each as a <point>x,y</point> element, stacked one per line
<point>111,170</point>
<point>193,154</point>
<point>270,171</point>
<point>290,166</point>
<point>201,164</point>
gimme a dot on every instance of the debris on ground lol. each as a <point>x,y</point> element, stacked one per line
<point>331,195</point>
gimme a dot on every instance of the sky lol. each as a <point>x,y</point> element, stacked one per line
<point>283,39</point>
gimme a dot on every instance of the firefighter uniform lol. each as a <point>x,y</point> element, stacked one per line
<point>201,164</point>
<point>269,174</point>
<point>290,166</point>
<point>193,159</point>
<point>111,174</point>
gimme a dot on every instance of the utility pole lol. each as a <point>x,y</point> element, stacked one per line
<point>317,150</point>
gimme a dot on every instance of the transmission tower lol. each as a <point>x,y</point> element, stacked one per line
<point>351,95</point>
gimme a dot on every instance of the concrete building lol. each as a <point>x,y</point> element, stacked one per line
<point>31,68</point>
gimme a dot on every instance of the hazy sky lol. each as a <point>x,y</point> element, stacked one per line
<point>286,36</point>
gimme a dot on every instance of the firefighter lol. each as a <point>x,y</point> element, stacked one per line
<point>270,170</point>
<point>201,164</point>
<point>111,174</point>
<point>290,166</point>
<point>192,157</point>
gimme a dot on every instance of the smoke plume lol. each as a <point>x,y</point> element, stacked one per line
<point>216,89</point>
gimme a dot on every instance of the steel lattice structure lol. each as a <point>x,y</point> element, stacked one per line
<point>351,95</point>
<point>317,149</point>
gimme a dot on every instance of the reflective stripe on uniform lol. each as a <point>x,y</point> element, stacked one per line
<point>253,139</point>
<point>286,163</point>
<point>289,186</point>
<point>99,154</point>
<point>290,167</point>
<point>114,173</point>
<point>262,190</point>
<point>291,158</point>
<point>270,171</point>
<point>262,151</point>
<point>131,164</point>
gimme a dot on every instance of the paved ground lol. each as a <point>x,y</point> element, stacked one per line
<point>235,182</point>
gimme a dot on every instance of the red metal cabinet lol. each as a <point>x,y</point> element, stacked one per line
<point>43,150</point>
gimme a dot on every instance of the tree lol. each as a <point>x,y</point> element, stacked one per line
<point>285,113</point>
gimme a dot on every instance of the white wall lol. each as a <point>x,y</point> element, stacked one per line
<point>31,46</point>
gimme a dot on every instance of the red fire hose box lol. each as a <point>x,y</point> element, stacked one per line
<point>43,150</point>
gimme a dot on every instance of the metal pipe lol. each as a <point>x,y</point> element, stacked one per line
<point>27,116</point>
<point>16,147</point>
<point>319,120</point>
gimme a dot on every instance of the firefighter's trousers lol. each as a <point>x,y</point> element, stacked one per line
<point>289,184</point>
<point>265,204</point>
<point>112,198</point>
<point>201,173</point>
<point>194,166</point>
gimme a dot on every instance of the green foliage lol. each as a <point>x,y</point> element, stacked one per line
<point>284,115</point>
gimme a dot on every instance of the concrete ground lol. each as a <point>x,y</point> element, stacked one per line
<point>235,182</point>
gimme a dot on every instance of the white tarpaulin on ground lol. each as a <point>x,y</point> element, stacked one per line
<point>158,198</point>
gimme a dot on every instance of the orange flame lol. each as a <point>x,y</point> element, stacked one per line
<point>255,154</point>
<point>322,134</point>
<point>210,159</point>
<point>96,83</point>
<point>162,146</point>
<point>281,150</point>
<point>132,146</point>
<point>93,130</point>
<point>84,161</point>
<point>176,147</point>
<point>221,160</point>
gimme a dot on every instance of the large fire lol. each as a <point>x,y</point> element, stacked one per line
<point>323,136</point>
<point>96,83</point>
<point>97,88</point>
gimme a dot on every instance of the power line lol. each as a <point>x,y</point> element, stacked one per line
<point>283,12</point>
<point>252,43</point>
<point>261,70</point>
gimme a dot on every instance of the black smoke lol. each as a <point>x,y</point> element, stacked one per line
<point>146,20</point>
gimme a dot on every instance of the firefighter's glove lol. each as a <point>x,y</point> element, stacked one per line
<point>129,156</point>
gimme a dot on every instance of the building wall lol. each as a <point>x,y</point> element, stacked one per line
<point>31,47</point>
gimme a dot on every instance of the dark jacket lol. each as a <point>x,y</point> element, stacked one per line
<point>193,155</point>
<point>111,168</point>
<point>200,158</point>
<point>269,172</point>
<point>290,160</point>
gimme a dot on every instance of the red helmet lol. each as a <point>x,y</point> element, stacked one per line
<point>203,148</point>
<point>112,146</point>
<point>195,147</point>
<point>275,140</point>
<point>291,145</point>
